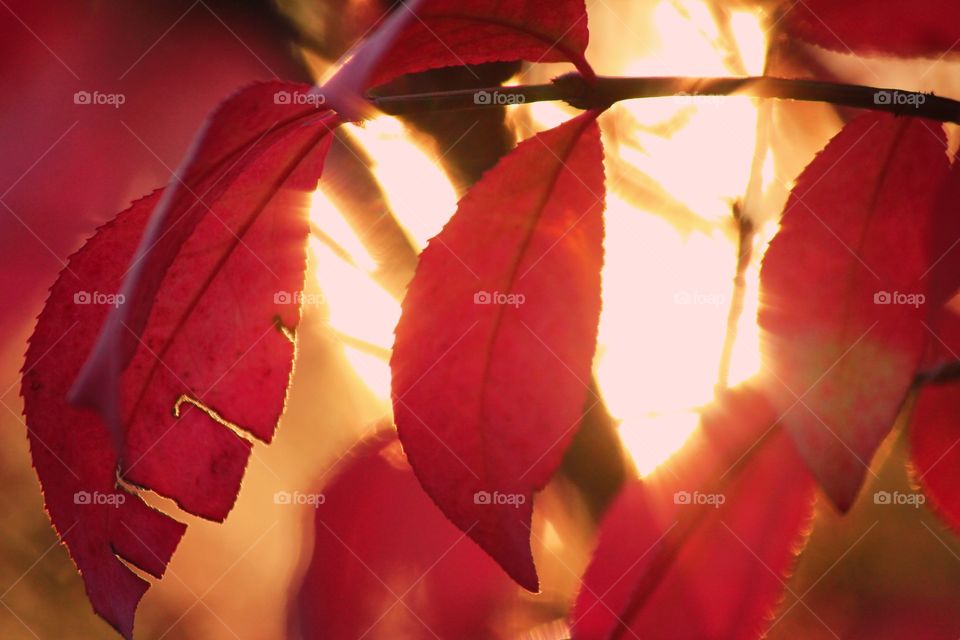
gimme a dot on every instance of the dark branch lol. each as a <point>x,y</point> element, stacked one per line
<point>605,91</point>
<point>943,374</point>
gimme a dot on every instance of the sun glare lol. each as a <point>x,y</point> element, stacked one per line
<point>330,222</point>
<point>667,284</point>
<point>667,279</point>
<point>751,40</point>
<point>419,193</point>
<point>360,312</point>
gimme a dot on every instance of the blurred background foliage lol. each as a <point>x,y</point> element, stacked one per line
<point>676,172</point>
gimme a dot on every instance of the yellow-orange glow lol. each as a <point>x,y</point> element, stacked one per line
<point>652,440</point>
<point>667,289</point>
<point>358,308</point>
<point>416,188</point>
<point>548,114</point>
<point>705,164</point>
<point>687,38</point>
<point>372,369</point>
<point>331,222</point>
<point>750,39</point>
<point>665,303</point>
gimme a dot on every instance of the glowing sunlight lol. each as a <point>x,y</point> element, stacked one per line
<point>660,339</point>
<point>699,149</point>
<point>418,191</point>
<point>361,314</point>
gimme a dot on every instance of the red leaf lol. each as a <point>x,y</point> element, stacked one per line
<point>878,27</point>
<point>493,350</point>
<point>447,33</point>
<point>205,330</point>
<point>935,423</point>
<point>935,426</point>
<point>944,271</point>
<point>700,550</point>
<point>255,144</point>
<point>415,577</point>
<point>71,450</point>
<point>842,290</point>
<point>450,33</point>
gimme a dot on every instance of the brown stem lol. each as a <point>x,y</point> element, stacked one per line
<point>606,90</point>
<point>746,231</point>
<point>744,213</point>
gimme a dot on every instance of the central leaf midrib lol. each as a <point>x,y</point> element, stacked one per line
<point>846,372</point>
<point>501,309</point>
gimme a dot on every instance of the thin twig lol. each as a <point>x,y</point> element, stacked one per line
<point>746,231</point>
<point>744,215</point>
<point>605,91</point>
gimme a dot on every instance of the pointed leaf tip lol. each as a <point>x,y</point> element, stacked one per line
<point>460,592</point>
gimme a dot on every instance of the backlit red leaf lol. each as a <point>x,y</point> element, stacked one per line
<point>72,452</point>
<point>492,355</point>
<point>418,35</point>
<point>450,33</point>
<point>943,275</point>
<point>843,292</point>
<point>880,27</point>
<point>935,425</point>
<point>387,564</point>
<point>205,334</point>
<point>252,146</point>
<point>700,549</point>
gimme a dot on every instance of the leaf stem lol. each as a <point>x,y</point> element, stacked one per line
<point>745,236</point>
<point>607,90</point>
